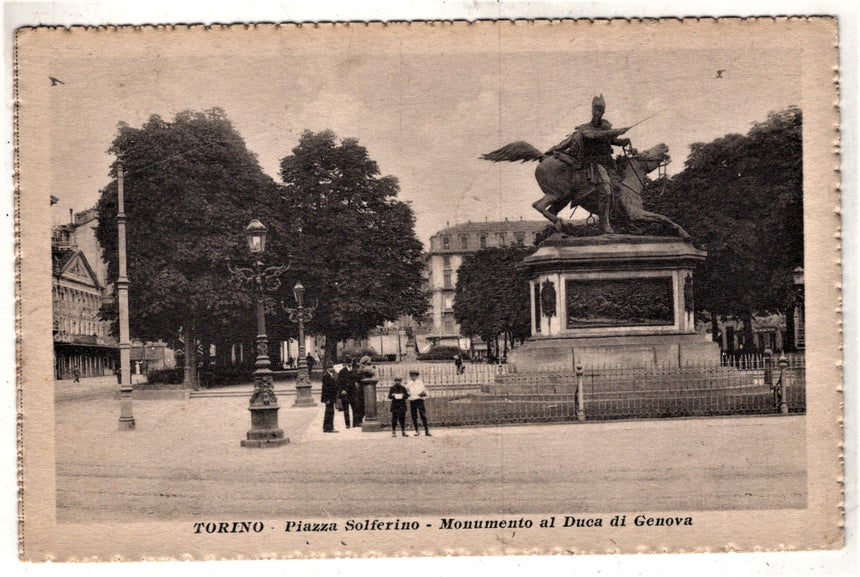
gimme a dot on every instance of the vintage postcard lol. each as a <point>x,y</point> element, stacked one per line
<point>429,288</point>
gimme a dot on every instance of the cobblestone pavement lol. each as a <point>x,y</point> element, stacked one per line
<point>184,461</point>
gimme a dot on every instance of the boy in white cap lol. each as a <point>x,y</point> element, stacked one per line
<point>417,394</point>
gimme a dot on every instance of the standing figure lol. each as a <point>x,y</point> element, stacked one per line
<point>346,384</point>
<point>458,363</point>
<point>398,394</point>
<point>311,361</point>
<point>361,370</point>
<point>417,394</point>
<point>589,148</point>
<point>330,391</point>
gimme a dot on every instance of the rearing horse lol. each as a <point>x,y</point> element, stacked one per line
<point>563,185</point>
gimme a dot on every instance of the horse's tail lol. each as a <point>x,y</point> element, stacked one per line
<point>514,151</point>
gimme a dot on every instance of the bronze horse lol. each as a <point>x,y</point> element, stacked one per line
<point>562,184</point>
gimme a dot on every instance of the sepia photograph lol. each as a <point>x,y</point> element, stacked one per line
<point>428,288</point>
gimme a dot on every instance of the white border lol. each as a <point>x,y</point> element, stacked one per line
<point>843,562</point>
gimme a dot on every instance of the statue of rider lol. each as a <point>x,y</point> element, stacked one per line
<point>589,148</point>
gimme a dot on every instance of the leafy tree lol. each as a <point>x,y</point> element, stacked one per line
<point>353,243</point>
<point>191,187</point>
<point>488,306</point>
<point>741,198</point>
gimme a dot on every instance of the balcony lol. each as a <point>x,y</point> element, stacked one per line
<point>76,339</point>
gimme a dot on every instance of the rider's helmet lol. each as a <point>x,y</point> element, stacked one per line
<point>598,105</point>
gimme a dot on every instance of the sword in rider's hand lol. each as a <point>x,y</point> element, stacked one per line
<point>625,129</point>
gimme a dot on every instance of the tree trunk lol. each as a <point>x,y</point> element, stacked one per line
<point>715,330</point>
<point>187,380</point>
<point>330,354</point>
<point>788,343</point>
<point>749,338</point>
<point>195,377</point>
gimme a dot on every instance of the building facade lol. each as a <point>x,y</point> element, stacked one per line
<point>448,247</point>
<point>83,346</point>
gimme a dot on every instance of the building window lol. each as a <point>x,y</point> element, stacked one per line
<point>501,237</point>
<point>464,241</point>
<point>446,242</point>
<point>446,279</point>
<point>446,261</point>
<point>483,241</point>
<point>448,324</point>
<point>521,237</point>
<point>449,302</point>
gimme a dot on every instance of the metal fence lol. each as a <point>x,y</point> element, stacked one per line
<point>489,395</point>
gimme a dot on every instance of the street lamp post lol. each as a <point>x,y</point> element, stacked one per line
<point>126,419</point>
<point>300,315</point>
<point>263,406</point>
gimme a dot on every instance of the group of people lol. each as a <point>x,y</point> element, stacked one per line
<point>290,363</point>
<point>344,390</point>
<point>413,391</point>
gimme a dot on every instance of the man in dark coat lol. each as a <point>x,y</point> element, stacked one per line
<point>330,392</point>
<point>346,383</point>
<point>398,394</point>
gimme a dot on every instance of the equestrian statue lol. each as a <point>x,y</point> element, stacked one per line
<point>581,171</point>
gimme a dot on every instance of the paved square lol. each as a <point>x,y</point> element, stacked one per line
<point>184,461</point>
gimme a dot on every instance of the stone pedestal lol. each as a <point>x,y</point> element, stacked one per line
<point>264,408</point>
<point>371,423</point>
<point>264,430</point>
<point>612,300</point>
<point>304,396</point>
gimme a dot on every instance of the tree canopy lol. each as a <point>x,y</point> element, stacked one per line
<point>486,307</point>
<point>741,198</point>
<point>191,187</point>
<point>353,243</point>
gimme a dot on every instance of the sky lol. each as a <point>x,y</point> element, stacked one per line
<point>425,109</point>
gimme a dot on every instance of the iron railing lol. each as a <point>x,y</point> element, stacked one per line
<point>489,395</point>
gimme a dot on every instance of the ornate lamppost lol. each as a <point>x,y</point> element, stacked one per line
<point>126,418</point>
<point>300,315</point>
<point>263,406</point>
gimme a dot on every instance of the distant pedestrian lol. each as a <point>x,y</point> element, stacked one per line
<point>311,361</point>
<point>76,373</point>
<point>458,364</point>
<point>398,394</point>
<point>346,384</point>
<point>417,394</point>
<point>291,362</point>
<point>330,391</point>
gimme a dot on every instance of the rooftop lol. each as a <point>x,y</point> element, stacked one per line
<point>495,226</point>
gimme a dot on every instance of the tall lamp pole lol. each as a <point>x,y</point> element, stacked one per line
<point>126,419</point>
<point>300,315</point>
<point>263,406</point>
